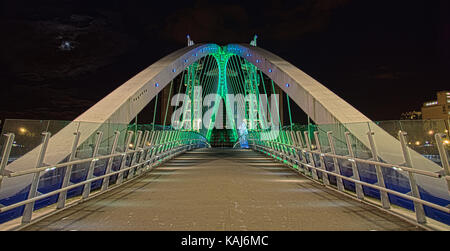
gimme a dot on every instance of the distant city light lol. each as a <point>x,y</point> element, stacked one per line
<point>446,142</point>
<point>22,130</point>
<point>430,132</point>
<point>417,143</point>
<point>431,103</point>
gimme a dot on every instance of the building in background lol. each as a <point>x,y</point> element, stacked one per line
<point>439,108</point>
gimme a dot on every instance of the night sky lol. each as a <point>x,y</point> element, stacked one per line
<point>383,57</point>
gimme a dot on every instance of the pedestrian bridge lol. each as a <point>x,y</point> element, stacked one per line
<point>106,171</point>
<point>222,189</point>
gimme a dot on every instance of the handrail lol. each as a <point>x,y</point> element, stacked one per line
<point>81,161</point>
<point>298,155</point>
<point>149,155</point>
<point>393,166</point>
<point>43,196</point>
<point>444,209</point>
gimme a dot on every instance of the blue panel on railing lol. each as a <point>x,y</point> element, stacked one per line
<point>52,180</point>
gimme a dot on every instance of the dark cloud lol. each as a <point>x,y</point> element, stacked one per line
<point>228,23</point>
<point>286,22</point>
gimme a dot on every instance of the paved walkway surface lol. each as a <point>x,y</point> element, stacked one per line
<point>222,189</point>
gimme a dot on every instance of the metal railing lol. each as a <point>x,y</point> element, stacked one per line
<point>310,160</point>
<point>142,157</point>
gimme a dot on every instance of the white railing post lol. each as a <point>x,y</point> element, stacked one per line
<point>66,180</point>
<point>358,187</point>
<point>6,152</point>
<point>325,178</point>
<point>302,154</point>
<point>150,150</point>
<point>337,168</point>
<point>311,157</point>
<point>383,194</point>
<point>133,156</point>
<point>105,182</point>
<point>28,211</point>
<point>418,208</point>
<point>90,174</point>
<point>444,157</point>
<point>124,157</point>
<point>143,152</point>
<point>296,158</point>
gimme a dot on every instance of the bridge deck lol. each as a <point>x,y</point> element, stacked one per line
<point>217,189</point>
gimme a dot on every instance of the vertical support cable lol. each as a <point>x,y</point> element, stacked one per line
<point>154,110</point>
<point>289,108</point>
<point>168,101</point>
